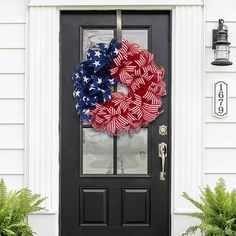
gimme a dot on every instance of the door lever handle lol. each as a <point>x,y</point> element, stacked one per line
<point>163,155</point>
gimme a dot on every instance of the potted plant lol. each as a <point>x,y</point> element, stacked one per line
<point>15,206</point>
<point>218,211</point>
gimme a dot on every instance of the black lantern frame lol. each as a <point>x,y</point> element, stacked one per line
<point>220,44</point>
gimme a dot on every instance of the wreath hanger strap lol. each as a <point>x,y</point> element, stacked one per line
<point>118,25</point>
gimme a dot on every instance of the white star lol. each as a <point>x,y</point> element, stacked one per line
<point>77,93</point>
<point>97,54</point>
<point>84,98</point>
<point>116,51</point>
<point>109,96</point>
<point>111,81</point>
<point>85,79</point>
<point>96,63</point>
<point>99,81</point>
<point>86,111</point>
<point>105,46</point>
<point>103,91</point>
<point>88,54</point>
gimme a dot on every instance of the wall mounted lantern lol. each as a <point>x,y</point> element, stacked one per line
<point>220,45</point>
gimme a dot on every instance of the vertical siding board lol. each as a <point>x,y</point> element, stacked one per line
<point>43,83</point>
<point>188,103</point>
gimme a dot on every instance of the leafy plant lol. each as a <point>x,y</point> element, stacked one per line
<point>218,211</point>
<point>15,206</point>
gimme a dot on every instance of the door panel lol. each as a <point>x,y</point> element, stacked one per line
<point>136,207</point>
<point>93,207</point>
<point>111,185</point>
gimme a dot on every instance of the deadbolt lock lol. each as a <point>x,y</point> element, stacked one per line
<point>163,130</point>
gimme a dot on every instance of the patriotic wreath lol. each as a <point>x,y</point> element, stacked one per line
<point>95,78</point>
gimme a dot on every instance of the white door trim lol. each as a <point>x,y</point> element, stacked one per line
<point>42,97</point>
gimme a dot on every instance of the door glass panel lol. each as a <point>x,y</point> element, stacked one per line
<point>138,36</point>
<point>93,36</point>
<point>97,152</point>
<point>132,153</point>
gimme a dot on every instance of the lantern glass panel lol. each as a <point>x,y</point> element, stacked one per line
<point>222,52</point>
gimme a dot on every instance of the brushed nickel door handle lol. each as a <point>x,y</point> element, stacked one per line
<point>163,155</point>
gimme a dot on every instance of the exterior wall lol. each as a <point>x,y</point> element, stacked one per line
<point>12,97</point>
<point>220,134</point>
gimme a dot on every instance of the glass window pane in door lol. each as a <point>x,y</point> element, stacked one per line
<point>97,152</point>
<point>132,153</point>
<point>93,36</point>
<point>139,36</point>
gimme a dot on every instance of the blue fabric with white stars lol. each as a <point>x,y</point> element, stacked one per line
<point>92,79</point>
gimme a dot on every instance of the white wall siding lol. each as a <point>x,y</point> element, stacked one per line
<point>11,136</point>
<point>223,9</point>
<point>220,161</point>
<point>12,86</point>
<point>12,35</point>
<point>12,11</point>
<point>12,61</point>
<point>44,225</point>
<point>13,111</point>
<point>209,118</point>
<point>13,181</point>
<point>12,162</point>
<point>220,134</point>
<point>12,103</point>
<point>228,77</point>
<point>230,179</point>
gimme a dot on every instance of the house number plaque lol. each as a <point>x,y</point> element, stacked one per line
<point>220,99</point>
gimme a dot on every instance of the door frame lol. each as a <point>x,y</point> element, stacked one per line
<point>166,105</point>
<point>42,115</point>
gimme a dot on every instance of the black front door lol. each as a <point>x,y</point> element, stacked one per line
<point>111,186</point>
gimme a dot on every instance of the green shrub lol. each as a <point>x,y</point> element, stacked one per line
<point>218,211</point>
<point>15,206</point>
